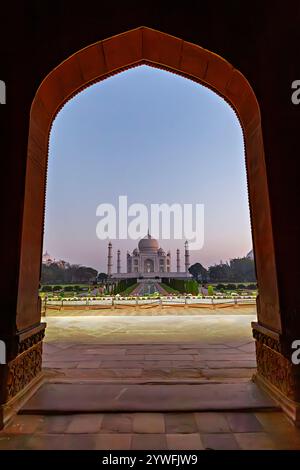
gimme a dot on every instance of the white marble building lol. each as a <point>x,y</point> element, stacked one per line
<point>148,260</point>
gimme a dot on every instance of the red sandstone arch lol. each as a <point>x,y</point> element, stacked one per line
<point>113,55</point>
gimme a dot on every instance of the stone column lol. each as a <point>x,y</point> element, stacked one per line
<point>278,302</point>
<point>21,329</point>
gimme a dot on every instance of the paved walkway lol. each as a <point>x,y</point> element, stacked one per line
<point>145,348</point>
<point>141,363</point>
<point>213,351</point>
<point>146,287</point>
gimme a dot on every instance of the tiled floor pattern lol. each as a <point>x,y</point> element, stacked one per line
<point>234,360</point>
<point>206,349</point>
<point>152,431</point>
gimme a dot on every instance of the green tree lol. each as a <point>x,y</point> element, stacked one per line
<point>57,288</point>
<point>102,277</point>
<point>198,272</point>
<point>68,288</point>
<point>242,270</point>
<point>67,274</point>
<point>230,286</point>
<point>220,286</point>
<point>252,286</point>
<point>219,272</point>
<point>210,290</point>
<point>46,289</point>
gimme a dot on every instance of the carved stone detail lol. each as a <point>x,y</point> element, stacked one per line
<point>23,369</point>
<point>27,365</point>
<point>267,340</point>
<point>276,368</point>
<point>29,342</point>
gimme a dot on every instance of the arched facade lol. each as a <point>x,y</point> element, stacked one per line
<point>149,265</point>
<point>111,56</point>
<point>98,62</point>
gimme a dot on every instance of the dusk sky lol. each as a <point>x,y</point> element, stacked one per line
<point>157,138</point>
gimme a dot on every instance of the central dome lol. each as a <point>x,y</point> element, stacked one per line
<point>148,244</point>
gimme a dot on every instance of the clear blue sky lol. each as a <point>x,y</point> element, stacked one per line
<point>155,137</point>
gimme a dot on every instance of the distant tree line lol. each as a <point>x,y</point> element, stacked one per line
<point>229,286</point>
<point>68,274</point>
<point>63,288</point>
<point>237,270</point>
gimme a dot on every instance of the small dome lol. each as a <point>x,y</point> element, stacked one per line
<point>148,244</point>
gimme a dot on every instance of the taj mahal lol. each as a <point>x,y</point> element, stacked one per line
<point>148,261</point>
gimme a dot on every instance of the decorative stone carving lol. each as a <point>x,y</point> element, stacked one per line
<point>275,368</point>
<point>267,340</point>
<point>30,341</point>
<point>274,365</point>
<point>27,365</point>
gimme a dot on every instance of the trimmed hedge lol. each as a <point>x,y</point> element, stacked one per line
<point>123,285</point>
<point>188,286</point>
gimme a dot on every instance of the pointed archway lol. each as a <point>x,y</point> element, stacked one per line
<point>98,62</point>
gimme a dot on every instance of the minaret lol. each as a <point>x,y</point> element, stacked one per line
<point>118,261</point>
<point>109,259</point>
<point>178,260</point>
<point>186,256</point>
<point>168,261</point>
<point>128,262</point>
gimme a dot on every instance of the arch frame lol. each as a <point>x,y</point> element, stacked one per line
<point>109,57</point>
<point>97,62</point>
